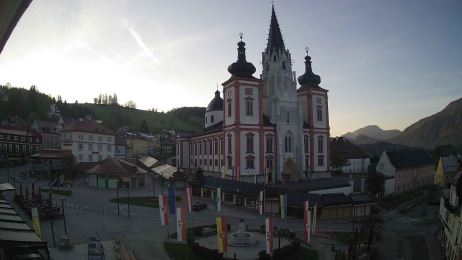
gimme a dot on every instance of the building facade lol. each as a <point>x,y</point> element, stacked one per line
<point>446,169</point>
<point>49,132</point>
<point>16,142</point>
<point>265,127</point>
<point>89,140</point>
<point>408,169</point>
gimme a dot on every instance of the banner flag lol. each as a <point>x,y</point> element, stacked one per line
<point>189,198</point>
<point>163,211</point>
<point>218,200</point>
<point>181,224</point>
<point>269,235</point>
<point>307,222</point>
<point>222,234</point>
<point>283,205</point>
<point>36,222</point>
<point>260,203</point>
<point>315,218</point>
<point>171,199</point>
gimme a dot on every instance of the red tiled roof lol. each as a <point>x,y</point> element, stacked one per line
<point>113,166</point>
<point>26,131</point>
<point>87,126</point>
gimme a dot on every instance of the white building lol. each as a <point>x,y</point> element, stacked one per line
<point>89,140</point>
<point>263,126</point>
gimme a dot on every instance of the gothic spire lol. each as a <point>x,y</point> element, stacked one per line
<point>275,40</point>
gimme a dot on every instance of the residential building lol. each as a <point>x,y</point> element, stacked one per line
<point>49,131</point>
<point>355,160</point>
<point>263,126</point>
<point>446,169</point>
<point>18,142</point>
<point>136,144</point>
<point>408,169</point>
<point>89,140</point>
<point>450,232</point>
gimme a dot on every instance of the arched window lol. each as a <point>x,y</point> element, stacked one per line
<point>230,107</point>
<point>320,144</point>
<point>249,107</point>
<point>288,144</point>
<point>320,160</point>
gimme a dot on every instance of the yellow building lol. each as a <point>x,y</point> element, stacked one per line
<point>447,168</point>
<point>136,145</point>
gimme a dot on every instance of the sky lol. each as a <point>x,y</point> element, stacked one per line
<point>384,62</point>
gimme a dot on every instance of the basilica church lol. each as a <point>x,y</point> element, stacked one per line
<point>274,128</point>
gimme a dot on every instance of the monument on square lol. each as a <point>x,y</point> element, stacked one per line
<point>242,238</point>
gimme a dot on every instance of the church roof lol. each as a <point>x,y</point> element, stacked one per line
<point>216,104</point>
<point>275,41</point>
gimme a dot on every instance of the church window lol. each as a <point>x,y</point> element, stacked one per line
<point>269,163</point>
<point>249,162</point>
<point>200,148</point>
<point>230,162</point>
<point>269,144</point>
<point>249,107</point>
<point>288,117</point>
<point>229,108</point>
<point>288,144</point>
<point>222,146</point>
<point>321,160</point>
<point>248,91</point>
<point>210,147</point>
<point>216,146</point>
<point>212,119</point>
<point>205,162</point>
<point>229,145</point>
<point>320,144</point>
<point>319,113</point>
<point>307,162</point>
<point>274,57</point>
<point>305,143</point>
<point>250,144</point>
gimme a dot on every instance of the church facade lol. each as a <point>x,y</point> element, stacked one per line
<point>268,127</point>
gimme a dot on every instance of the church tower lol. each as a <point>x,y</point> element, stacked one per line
<point>280,105</point>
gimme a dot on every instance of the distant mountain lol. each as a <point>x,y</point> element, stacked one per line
<point>376,149</point>
<point>371,134</point>
<point>444,127</point>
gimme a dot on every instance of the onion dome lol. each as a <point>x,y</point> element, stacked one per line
<point>216,104</point>
<point>309,79</point>
<point>241,68</point>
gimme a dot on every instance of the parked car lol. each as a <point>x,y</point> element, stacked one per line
<point>198,206</point>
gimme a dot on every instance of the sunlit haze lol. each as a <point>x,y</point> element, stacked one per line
<point>388,63</point>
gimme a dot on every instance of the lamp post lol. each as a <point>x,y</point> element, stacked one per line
<point>64,216</point>
<point>51,224</point>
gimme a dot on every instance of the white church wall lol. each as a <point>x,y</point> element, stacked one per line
<point>319,100</point>
<point>255,154</point>
<point>247,92</point>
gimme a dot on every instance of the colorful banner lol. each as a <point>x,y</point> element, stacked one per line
<point>36,222</point>
<point>315,218</point>
<point>163,211</point>
<point>307,222</point>
<point>283,205</point>
<point>218,200</point>
<point>260,203</point>
<point>269,235</point>
<point>222,234</point>
<point>181,224</point>
<point>189,198</point>
<point>171,198</point>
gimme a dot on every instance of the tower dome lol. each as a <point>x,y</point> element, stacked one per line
<point>241,68</point>
<point>309,79</point>
<point>216,104</point>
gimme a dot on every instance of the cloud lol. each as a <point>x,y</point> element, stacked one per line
<point>146,50</point>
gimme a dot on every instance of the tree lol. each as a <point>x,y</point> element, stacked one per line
<point>95,101</point>
<point>375,184</point>
<point>372,225</point>
<point>130,104</point>
<point>144,127</point>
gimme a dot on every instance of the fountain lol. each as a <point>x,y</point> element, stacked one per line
<point>242,238</point>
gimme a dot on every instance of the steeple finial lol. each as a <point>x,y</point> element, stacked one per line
<point>240,35</point>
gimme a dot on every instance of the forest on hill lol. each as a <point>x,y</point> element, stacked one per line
<point>31,104</point>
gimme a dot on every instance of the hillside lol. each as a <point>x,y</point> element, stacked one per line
<point>32,104</point>
<point>444,127</point>
<point>374,132</point>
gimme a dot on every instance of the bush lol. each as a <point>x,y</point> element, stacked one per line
<point>292,235</point>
